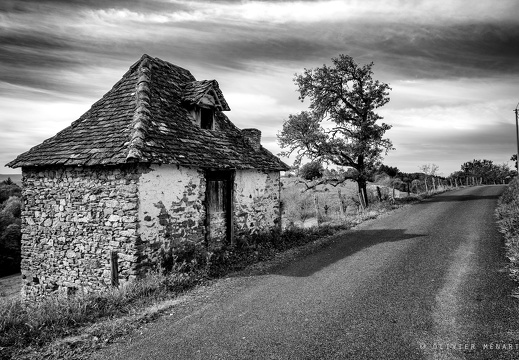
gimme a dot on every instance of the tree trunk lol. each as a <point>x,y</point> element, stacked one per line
<point>363,194</point>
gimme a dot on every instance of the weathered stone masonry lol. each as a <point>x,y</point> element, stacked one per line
<point>73,218</point>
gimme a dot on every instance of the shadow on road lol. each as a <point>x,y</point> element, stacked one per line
<point>341,247</point>
<point>448,198</point>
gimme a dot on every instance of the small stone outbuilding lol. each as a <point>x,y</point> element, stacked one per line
<point>152,164</point>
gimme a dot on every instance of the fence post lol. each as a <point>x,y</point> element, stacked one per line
<point>361,200</point>
<point>341,204</point>
<point>316,202</point>
<point>115,268</point>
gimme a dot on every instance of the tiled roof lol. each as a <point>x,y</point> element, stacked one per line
<point>144,118</point>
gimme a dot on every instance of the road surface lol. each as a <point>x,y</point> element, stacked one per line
<point>426,282</point>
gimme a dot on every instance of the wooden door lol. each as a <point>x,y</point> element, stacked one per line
<point>219,194</point>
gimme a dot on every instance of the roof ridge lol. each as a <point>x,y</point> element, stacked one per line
<point>141,116</point>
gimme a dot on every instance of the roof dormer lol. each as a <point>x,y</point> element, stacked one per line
<point>204,98</point>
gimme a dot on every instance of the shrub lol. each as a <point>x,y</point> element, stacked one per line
<point>298,206</point>
<point>10,236</point>
<point>6,191</point>
<point>10,245</point>
<point>311,170</point>
<point>184,257</point>
<point>13,205</point>
<point>507,211</point>
<point>6,219</point>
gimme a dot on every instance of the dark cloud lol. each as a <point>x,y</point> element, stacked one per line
<point>38,50</point>
<point>56,6</point>
<point>458,50</point>
<point>408,50</point>
<point>46,61</point>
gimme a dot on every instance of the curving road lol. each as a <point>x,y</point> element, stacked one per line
<point>426,282</point>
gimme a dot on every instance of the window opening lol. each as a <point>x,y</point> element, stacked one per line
<point>206,118</point>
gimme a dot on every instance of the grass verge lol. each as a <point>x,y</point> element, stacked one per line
<point>507,214</point>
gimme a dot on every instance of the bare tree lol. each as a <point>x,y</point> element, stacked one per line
<point>429,170</point>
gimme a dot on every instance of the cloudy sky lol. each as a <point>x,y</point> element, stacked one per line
<point>453,66</point>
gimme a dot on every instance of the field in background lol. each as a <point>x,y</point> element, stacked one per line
<point>299,206</point>
<point>322,205</point>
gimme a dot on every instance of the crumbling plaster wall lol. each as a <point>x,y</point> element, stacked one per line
<point>73,218</point>
<point>171,209</point>
<point>256,195</point>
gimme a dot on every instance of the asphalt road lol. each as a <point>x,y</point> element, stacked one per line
<point>427,282</point>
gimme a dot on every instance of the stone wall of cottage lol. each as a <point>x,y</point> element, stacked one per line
<point>256,196</point>
<point>74,220</point>
<point>171,210</point>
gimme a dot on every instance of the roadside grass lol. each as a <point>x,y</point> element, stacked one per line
<point>28,327</point>
<point>507,214</point>
<point>30,324</point>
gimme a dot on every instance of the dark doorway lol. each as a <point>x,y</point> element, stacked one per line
<point>219,207</point>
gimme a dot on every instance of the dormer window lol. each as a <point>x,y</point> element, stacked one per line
<point>203,117</point>
<point>206,118</point>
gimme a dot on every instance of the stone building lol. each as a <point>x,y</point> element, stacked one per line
<point>153,163</point>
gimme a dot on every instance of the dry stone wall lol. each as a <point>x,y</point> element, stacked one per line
<point>74,218</point>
